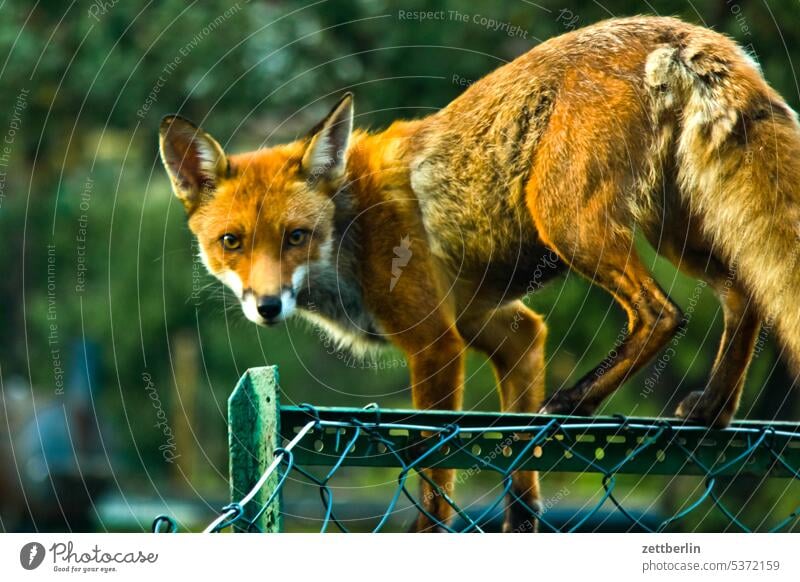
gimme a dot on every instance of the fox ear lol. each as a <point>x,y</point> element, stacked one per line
<point>194,160</point>
<point>326,153</point>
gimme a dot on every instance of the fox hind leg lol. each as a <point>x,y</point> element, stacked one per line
<point>593,242</point>
<point>716,405</point>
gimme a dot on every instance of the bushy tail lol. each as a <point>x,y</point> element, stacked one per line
<point>738,149</point>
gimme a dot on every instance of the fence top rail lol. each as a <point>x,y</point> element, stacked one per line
<point>605,444</point>
<point>480,419</point>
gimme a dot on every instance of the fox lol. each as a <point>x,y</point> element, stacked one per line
<point>428,234</point>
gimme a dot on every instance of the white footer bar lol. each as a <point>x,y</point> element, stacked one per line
<point>389,557</point>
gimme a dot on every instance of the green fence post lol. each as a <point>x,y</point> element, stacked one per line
<point>253,436</point>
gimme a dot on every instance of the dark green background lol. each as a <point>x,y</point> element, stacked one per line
<point>263,73</point>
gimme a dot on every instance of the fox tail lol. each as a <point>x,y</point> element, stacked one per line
<point>738,160</point>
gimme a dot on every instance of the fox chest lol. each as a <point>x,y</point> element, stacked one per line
<point>334,305</point>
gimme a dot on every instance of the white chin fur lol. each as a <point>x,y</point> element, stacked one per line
<point>288,305</point>
<point>248,300</point>
<point>250,309</point>
<point>233,282</point>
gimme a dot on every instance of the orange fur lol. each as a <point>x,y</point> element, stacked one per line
<point>428,233</point>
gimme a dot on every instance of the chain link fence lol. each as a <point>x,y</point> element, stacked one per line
<point>270,444</point>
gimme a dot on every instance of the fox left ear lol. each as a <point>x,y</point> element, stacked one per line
<point>326,153</point>
<point>194,160</point>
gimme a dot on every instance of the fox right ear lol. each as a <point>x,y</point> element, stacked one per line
<point>193,159</point>
<point>326,151</point>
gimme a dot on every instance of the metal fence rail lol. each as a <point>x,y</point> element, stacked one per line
<point>269,442</point>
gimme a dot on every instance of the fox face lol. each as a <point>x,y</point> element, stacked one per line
<point>262,219</point>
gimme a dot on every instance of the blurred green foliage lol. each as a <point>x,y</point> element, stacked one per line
<point>90,82</point>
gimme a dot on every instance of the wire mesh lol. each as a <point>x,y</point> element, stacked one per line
<point>410,441</point>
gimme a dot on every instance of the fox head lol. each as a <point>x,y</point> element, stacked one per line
<point>262,218</point>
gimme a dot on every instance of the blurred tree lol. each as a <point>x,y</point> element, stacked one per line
<point>98,248</point>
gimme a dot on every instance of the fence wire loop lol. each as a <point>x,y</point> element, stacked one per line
<point>162,521</point>
<point>313,412</point>
<point>374,407</point>
<point>622,419</point>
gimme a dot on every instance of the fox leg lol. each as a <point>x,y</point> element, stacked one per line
<point>437,383</point>
<point>597,246</point>
<point>414,315</point>
<point>513,337</point>
<point>717,404</point>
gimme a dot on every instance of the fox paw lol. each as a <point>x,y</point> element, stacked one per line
<point>562,403</point>
<point>425,525</point>
<point>695,408</point>
<point>518,519</point>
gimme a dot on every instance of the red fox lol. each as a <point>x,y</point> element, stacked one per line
<point>429,233</point>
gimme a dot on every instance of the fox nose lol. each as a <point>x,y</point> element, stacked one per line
<point>269,307</point>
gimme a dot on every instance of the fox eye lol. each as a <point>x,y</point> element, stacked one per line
<point>297,237</point>
<point>230,242</point>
